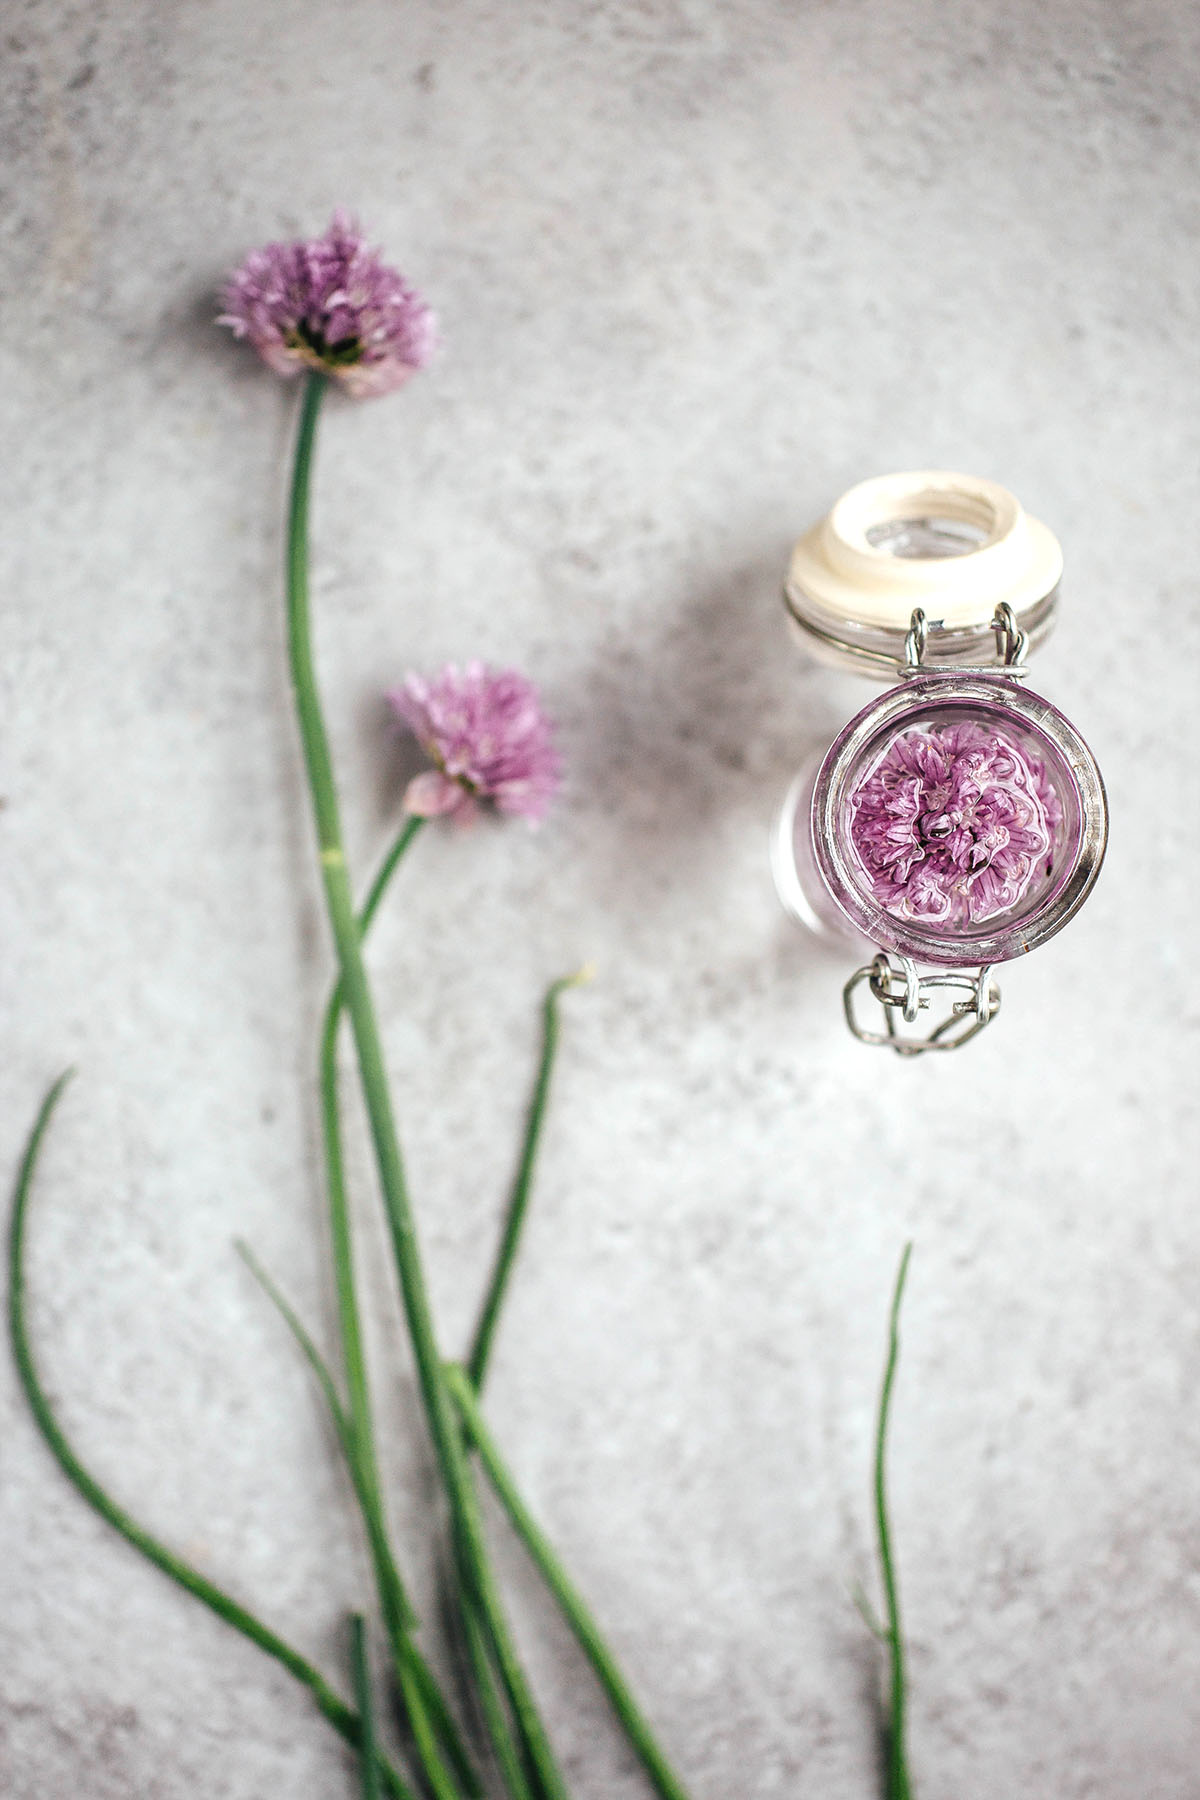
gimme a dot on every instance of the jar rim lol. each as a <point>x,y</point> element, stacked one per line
<point>836,861</point>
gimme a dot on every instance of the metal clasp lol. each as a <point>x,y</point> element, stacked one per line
<point>1011,642</point>
<point>895,984</point>
<point>1011,646</point>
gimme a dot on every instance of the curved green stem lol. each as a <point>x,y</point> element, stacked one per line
<point>360,1443</point>
<point>899,1786</point>
<point>368,1749</point>
<point>393,1599</point>
<point>439,1414</point>
<point>574,1609</point>
<point>476,1634</point>
<point>363,1436</point>
<point>477,1361</point>
<point>429,1716</point>
<point>344,1719</point>
<point>491,1705</point>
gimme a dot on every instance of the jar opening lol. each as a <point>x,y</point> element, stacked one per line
<point>958,821</point>
<point>924,517</point>
<point>924,537</point>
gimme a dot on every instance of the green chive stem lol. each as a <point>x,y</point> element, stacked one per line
<point>368,1754</point>
<point>342,1717</point>
<point>574,1609</point>
<point>477,1361</point>
<point>428,1714</point>
<point>356,991</point>
<point>899,1785</point>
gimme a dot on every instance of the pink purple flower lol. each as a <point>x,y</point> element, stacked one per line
<point>487,735</point>
<point>953,824</point>
<point>330,303</point>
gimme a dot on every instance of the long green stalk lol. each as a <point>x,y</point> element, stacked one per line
<point>899,1785</point>
<point>339,1214</point>
<point>368,1749</point>
<point>477,1361</point>
<point>359,1004</point>
<point>475,1631</point>
<point>342,1717</point>
<point>491,1705</point>
<point>476,1635</point>
<point>574,1609</point>
<point>430,1723</point>
<point>429,1716</point>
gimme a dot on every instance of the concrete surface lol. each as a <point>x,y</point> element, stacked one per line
<point>698,268</point>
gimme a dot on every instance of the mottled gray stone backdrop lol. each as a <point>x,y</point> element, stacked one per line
<point>699,268</point>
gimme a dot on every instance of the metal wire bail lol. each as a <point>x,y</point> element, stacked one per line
<point>914,643</point>
<point>1012,643</point>
<point>895,984</point>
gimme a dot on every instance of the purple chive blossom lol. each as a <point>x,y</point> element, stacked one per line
<point>488,737</point>
<point>953,824</point>
<point>330,303</point>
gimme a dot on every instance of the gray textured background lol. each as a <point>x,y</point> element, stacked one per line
<point>698,268</point>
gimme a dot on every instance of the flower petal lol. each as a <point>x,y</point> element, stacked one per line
<point>431,794</point>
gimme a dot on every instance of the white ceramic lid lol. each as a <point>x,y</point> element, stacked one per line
<point>955,545</point>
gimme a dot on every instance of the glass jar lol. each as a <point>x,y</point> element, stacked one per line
<point>958,820</point>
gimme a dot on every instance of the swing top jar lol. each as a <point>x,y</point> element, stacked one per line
<point>958,820</point>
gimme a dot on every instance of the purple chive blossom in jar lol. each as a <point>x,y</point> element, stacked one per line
<point>958,819</point>
<point>955,823</point>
